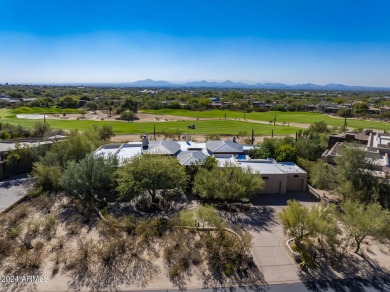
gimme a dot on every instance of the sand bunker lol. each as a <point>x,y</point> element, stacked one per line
<point>30,116</point>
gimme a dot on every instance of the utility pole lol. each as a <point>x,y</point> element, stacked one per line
<point>272,135</point>
<point>253,136</point>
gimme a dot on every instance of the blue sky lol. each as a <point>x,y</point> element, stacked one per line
<point>184,40</point>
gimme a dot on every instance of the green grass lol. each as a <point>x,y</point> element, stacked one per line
<point>221,127</point>
<point>293,117</point>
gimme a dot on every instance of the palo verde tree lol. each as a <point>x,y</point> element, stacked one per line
<point>145,176</point>
<point>295,221</point>
<point>227,183</point>
<point>362,220</point>
<point>301,223</point>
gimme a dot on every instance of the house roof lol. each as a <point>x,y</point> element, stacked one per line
<point>224,147</point>
<point>191,157</point>
<point>162,147</point>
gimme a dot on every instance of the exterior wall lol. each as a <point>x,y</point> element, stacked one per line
<point>296,181</point>
<point>282,183</point>
<point>274,183</point>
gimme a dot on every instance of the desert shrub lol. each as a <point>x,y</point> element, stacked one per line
<point>49,222</point>
<point>73,228</point>
<point>46,177</point>
<point>33,230</point>
<point>179,253</point>
<point>83,258</point>
<point>109,228</point>
<point>226,253</point>
<point>129,224</point>
<point>212,137</point>
<point>49,225</point>
<point>34,227</point>
<point>111,252</point>
<point>6,247</point>
<point>14,232</point>
<point>25,259</point>
<point>89,180</point>
<point>58,244</point>
<point>18,214</point>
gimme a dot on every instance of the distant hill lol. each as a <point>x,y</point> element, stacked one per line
<point>231,84</point>
<point>149,83</point>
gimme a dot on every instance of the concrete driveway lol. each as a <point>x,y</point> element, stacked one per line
<point>13,190</point>
<point>269,243</point>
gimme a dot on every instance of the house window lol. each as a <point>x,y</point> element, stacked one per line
<point>265,177</point>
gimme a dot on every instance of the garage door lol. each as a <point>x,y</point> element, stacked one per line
<point>272,187</point>
<point>294,184</point>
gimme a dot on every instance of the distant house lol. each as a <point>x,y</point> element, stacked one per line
<point>279,177</point>
<point>375,145</point>
<point>261,104</point>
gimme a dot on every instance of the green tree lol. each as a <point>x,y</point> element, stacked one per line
<point>144,176</point>
<point>91,179</point>
<point>46,177</point>
<point>91,105</point>
<point>76,147</point>
<point>352,177</point>
<point>127,116</point>
<point>264,150</point>
<point>40,129</point>
<point>310,145</point>
<point>319,127</point>
<point>286,153</point>
<point>106,132</point>
<point>83,112</point>
<point>344,112</point>
<point>227,183</point>
<point>295,219</point>
<point>130,104</point>
<point>360,108</point>
<point>362,220</point>
<point>69,102</point>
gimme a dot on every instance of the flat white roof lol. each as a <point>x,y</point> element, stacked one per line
<point>223,160</point>
<point>261,167</point>
<point>384,139</point>
<point>289,167</point>
<point>105,152</point>
<point>128,151</point>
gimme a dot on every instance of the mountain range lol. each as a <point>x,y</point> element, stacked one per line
<point>148,83</point>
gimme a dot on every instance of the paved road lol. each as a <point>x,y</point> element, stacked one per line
<point>352,285</point>
<point>12,190</point>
